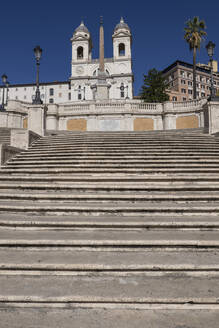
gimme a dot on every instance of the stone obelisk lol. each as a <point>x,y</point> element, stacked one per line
<point>102,87</point>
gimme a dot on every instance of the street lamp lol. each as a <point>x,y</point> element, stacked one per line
<point>210,49</point>
<point>7,90</point>
<point>37,52</point>
<point>4,81</point>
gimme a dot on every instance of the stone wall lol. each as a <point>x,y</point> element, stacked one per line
<point>127,115</point>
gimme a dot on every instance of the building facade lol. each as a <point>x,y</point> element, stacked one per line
<point>179,80</point>
<point>84,72</point>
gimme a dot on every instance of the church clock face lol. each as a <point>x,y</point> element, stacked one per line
<point>79,70</point>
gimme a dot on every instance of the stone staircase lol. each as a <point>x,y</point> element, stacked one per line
<point>112,229</point>
<point>5,134</point>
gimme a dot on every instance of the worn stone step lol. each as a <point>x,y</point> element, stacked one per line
<point>75,160</point>
<point>147,288</point>
<point>101,164</point>
<point>184,157</point>
<point>106,238</point>
<point>108,260</point>
<point>94,315</point>
<point>104,222</point>
<point>129,198</point>
<point>196,208</point>
<point>113,187</point>
<point>163,179</point>
<point>118,170</point>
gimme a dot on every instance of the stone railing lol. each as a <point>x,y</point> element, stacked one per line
<point>7,152</point>
<point>128,106</point>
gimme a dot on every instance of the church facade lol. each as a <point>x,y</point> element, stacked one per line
<point>84,72</point>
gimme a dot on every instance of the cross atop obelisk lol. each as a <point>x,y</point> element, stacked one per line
<point>101,53</point>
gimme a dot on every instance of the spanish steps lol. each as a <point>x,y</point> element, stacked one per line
<point>111,229</point>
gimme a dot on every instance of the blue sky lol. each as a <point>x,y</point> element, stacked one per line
<point>157,29</point>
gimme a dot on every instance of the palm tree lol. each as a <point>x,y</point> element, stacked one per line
<point>194,35</point>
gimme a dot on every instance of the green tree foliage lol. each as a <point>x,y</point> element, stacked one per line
<point>154,88</point>
<point>194,35</point>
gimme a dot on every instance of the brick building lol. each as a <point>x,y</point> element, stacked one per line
<point>179,80</point>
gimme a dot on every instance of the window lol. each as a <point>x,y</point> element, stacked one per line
<point>51,92</point>
<point>174,98</point>
<point>190,83</point>
<point>203,94</point>
<point>33,88</point>
<point>189,75</point>
<point>201,78</point>
<point>69,86</point>
<point>25,97</point>
<point>122,90</point>
<point>182,73</point>
<point>80,53</point>
<point>207,80</point>
<point>197,94</point>
<point>60,95</point>
<point>202,86</point>
<point>51,100</point>
<point>190,92</point>
<point>183,82</point>
<point>69,96</point>
<point>16,97</point>
<point>16,89</point>
<point>42,96</point>
<point>121,49</point>
<point>197,85</point>
<point>42,87</point>
<point>183,90</point>
<point>79,93</point>
<point>184,99</point>
<point>25,89</point>
<point>60,86</point>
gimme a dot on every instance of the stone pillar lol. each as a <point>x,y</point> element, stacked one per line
<point>37,119</point>
<point>52,117</point>
<point>212,116</point>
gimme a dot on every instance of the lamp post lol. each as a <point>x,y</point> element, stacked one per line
<point>210,49</point>
<point>4,81</point>
<point>37,52</point>
<point>7,90</point>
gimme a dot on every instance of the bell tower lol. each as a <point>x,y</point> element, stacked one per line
<point>81,48</point>
<point>122,40</point>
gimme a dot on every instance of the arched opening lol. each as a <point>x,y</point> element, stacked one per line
<point>121,49</point>
<point>80,53</point>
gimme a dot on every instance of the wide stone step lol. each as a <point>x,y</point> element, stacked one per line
<point>113,187</point>
<point>118,157</point>
<point>180,197</point>
<point>150,288</point>
<point>129,143</point>
<point>94,315</point>
<point>116,170</point>
<point>208,221</point>
<point>43,161</point>
<point>115,179</point>
<point>108,238</point>
<point>196,208</point>
<point>101,164</point>
<point>107,260</point>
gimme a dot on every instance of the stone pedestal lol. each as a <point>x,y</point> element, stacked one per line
<point>37,119</point>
